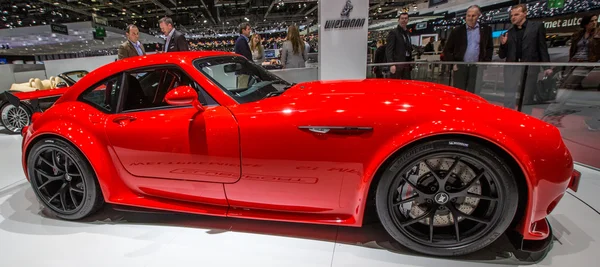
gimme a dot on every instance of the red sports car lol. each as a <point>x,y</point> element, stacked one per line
<point>18,103</point>
<point>212,133</point>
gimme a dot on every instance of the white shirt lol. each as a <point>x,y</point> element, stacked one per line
<point>169,39</point>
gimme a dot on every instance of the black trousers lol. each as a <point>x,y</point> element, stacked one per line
<point>402,72</point>
<point>513,80</point>
<point>468,78</point>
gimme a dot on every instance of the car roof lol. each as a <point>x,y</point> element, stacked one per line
<point>176,58</point>
<point>162,58</point>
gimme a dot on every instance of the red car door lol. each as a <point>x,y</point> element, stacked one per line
<point>289,168</point>
<point>177,143</point>
<point>154,140</point>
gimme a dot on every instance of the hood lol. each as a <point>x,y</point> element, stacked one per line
<point>377,88</point>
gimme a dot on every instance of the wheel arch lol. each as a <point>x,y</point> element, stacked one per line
<point>97,156</point>
<point>501,150</point>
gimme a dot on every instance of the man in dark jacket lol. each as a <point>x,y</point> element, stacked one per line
<point>175,40</point>
<point>132,47</point>
<point>241,44</point>
<point>399,49</point>
<point>525,41</point>
<point>471,42</point>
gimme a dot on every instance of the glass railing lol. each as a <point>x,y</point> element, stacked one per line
<point>566,95</point>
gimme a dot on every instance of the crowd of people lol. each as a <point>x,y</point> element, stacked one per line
<point>472,42</point>
<point>294,48</point>
<point>267,40</point>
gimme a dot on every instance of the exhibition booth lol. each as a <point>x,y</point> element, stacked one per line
<point>206,158</point>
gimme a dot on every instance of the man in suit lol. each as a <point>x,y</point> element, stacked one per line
<point>175,39</point>
<point>241,44</point>
<point>399,49</point>
<point>132,47</point>
<point>242,47</point>
<point>471,42</point>
<point>525,41</point>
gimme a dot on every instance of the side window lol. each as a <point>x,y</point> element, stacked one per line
<point>147,89</point>
<point>104,95</point>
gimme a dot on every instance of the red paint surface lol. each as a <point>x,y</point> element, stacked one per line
<point>40,93</point>
<point>252,160</point>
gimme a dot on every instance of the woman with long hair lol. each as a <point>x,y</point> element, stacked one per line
<point>585,47</point>
<point>293,51</point>
<point>257,49</point>
<point>585,44</point>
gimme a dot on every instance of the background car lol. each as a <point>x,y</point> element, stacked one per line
<point>211,133</point>
<point>21,100</point>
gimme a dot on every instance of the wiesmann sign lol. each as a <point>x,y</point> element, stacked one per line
<point>345,22</point>
<point>343,31</point>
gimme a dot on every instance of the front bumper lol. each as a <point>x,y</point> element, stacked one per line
<point>532,245</point>
<point>574,182</point>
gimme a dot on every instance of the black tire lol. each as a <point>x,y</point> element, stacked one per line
<point>496,181</point>
<point>46,168</point>
<point>15,127</point>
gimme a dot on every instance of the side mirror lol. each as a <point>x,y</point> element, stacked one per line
<point>183,96</point>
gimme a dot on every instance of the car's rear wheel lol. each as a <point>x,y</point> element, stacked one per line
<point>447,197</point>
<point>14,118</point>
<point>63,180</point>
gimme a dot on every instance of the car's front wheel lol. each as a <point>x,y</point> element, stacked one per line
<point>14,118</point>
<point>447,197</point>
<point>63,180</point>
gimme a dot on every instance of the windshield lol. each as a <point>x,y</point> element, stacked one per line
<point>75,76</point>
<point>244,81</point>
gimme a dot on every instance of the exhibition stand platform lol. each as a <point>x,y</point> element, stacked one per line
<point>116,237</point>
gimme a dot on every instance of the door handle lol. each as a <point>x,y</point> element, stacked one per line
<point>336,129</point>
<point>123,120</point>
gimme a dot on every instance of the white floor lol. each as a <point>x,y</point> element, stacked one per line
<point>29,237</point>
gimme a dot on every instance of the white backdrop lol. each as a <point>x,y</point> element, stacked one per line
<point>55,67</point>
<point>343,40</point>
<point>7,77</point>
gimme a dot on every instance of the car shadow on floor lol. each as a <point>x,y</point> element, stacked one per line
<point>6,132</point>
<point>23,214</point>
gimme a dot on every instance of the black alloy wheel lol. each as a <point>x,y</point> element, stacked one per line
<point>63,180</point>
<point>447,197</point>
